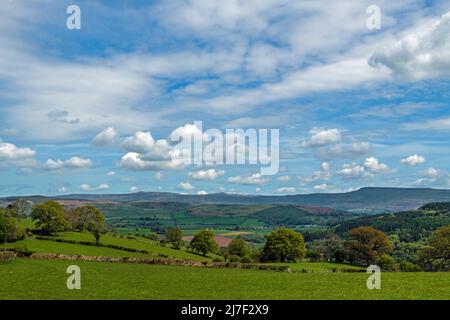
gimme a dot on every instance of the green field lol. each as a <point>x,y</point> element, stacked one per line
<point>46,279</point>
<point>47,246</point>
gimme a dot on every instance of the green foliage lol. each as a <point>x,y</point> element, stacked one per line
<point>10,227</point>
<point>410,226</point>
<point>49,217</point>
<point>284,245</point>
<point>174,236</point>
<point>88,218</point>
<point>238,247</point>
<point>437,255</point>
<point>406,266</point>
<point>385,262</point>
<point>204,242</point>
<point>366,245</point>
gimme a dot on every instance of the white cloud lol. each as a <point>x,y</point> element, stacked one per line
<point>323,137</point>
<point>325,166</point>
<point>10,154</point>
<point>86,187</point>
<point>370,167</point>
<point>202,193</point>
<point>134,189</point>
<point>138,162</point>
<point>413,160</point>
<point>353,171</point>
<point>111,173</point>
<point>62,189</point>
<point>105,138</point>
<point>321,187</point>
<point>420,55</point>
<point>140,142</point>
<point>286,190</point>
<point>433,177</point>
<point>375,166</point>
<point>210,174</point>
<point>72,163</point>
<point>253,179</point>
<point>186,186</point>
<point>284,178</point>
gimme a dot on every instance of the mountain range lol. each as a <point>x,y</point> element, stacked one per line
<point>370,199</point>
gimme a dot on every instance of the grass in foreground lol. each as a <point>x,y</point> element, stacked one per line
<point>46,279</point>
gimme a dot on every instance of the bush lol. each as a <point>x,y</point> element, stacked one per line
<point>406,266</point>
<point>385,262</point>
<point>22,251</point>
<point>7,256</point>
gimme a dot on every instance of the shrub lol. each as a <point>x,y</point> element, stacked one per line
<point>22,251</point>
<point>385,262</point>
<point>406,266</point>
<point>7,256</point>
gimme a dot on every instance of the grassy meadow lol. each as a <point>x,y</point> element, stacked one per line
<point>46,279</point>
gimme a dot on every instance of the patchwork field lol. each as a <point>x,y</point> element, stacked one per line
<point>46,279</point>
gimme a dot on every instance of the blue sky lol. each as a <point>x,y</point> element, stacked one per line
<point>90,110</point>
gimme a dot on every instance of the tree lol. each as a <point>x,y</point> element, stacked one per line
<point>366,244</point>
<point>10,227</point>
<point>204,242</point>
<point>49,217</point>
<point>284,245</point>
<point>21,208</point>
<point>437,255</point>
<point>88,218</point>
<point>239,248</point>
<point>174,236</point>
<point>334,250</point>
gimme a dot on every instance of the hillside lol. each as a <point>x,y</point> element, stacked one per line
<point>369,200</point>
<point>410,226</point>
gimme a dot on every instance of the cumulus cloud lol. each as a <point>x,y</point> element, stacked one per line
<point>353,171</point>
<point>375,166</point>
<point>10,154</point>
<point>202,193</point>
<point>413,160</point>
<point>105,138</point>
<point>88,188</point>
<point>210,174</point>
<point>323,137</point>
<point>111,173</point>
<point>185,186</point>
<point>420,55</point>
<point>433,176</point>
<point>72,163</point>
<point>286,190</point>
<point>253,179</point>
<point>140,142</point>
<point>370,167</point>
<point>321,187</point>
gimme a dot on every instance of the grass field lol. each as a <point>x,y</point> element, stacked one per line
<point>47,246</point>
<point>46,279</point>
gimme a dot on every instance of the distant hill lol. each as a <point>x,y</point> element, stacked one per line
<point>370,200</point>
<point>410,226</point>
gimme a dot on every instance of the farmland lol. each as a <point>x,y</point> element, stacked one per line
<point>45,279</point>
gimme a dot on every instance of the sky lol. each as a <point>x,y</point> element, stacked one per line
<point>92,110</point>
